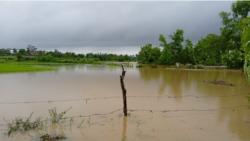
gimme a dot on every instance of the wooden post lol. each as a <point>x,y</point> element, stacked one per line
<point>124,92</point>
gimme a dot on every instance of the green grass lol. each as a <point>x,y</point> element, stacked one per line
<point>11,68</point>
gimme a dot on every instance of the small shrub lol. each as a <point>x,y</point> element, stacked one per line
<point>200,67</point>
<point>190,67</point>
<point>140,66</point>
<point>23,124</point>
<point>55,118</point>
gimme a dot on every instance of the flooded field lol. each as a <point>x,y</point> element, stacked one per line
<point>164,104</point>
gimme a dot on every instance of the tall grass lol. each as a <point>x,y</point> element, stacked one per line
<point>6,68</point>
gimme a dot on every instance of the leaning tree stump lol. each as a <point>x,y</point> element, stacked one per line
<point>124,92</point>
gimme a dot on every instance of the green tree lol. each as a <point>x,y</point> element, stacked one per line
<point>230,33</point>
<point>22,51</point>
<point>241,8</point>
<point>245,39</point>
<point>14,50</point>
<point>167,56</point>
<point>233,60</point>
<point>19,56</point>
<point>120,58</point>
<point>208,50</point>
<point>31,48</point>
<point>149,54</point>
<point>187,55</point>
<point>176,44</point>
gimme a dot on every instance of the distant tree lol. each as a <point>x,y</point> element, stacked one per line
<point>120,58</point>
<point>14,50</point>
<point>22,51</point>
<point>19,56</point>
<point>31,48</point>
<point>4,52</point>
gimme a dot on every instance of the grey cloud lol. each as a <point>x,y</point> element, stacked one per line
<point>82,26</point>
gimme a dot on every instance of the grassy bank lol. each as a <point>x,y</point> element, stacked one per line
<point>11,68</point>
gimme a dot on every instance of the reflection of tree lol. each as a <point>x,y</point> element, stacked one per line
<point>174,79</point>
<point>148,75</point>
<point>180,81</point>
<point>235,119</point>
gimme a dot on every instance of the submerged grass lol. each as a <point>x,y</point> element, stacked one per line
<point>25,124</point>
<point>11,68</point>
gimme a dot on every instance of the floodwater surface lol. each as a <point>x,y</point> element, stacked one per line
<point>164,104</point>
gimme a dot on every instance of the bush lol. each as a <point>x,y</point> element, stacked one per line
<point>233,60</point>
<point>96,59</point>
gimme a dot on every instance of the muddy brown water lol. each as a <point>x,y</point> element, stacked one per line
<point>165,104</point>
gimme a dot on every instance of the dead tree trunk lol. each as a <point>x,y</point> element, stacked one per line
<point>123,92</point>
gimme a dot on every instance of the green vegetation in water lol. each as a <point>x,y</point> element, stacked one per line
<point>80,124</point>
<point>10,68</point>
<point>138,123</point>
<point>71,121</point>
<point>191,67</point>
<point>23,124</point>
<point>113,64</point>
<point>54,117</point>
<point>89,120</point>
<point>140,66</point>
<point>200,67</point>
<point>248,98</point>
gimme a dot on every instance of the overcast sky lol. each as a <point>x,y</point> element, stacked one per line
<point>106,27</point>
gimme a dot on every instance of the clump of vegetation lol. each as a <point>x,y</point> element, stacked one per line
<point>140,66</point>
<point>80,124</point>
<point>89,120</point>
<point>248,98</point>
<point>54,117</point>
<point>23,124</point>
<point>71,121</point>
<point>154,66</point>
<point>138,123</point>
<point>50,138</point>
<point>200,67</point>
<point>191,67</point>
<point>234,59</point>
<point>113,64</point>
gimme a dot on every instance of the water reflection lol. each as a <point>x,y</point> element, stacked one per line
<point>124,135</point>
<point>183,82</point>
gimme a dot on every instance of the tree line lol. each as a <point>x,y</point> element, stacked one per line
<point>55,56</point>
<point>224,49</point>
